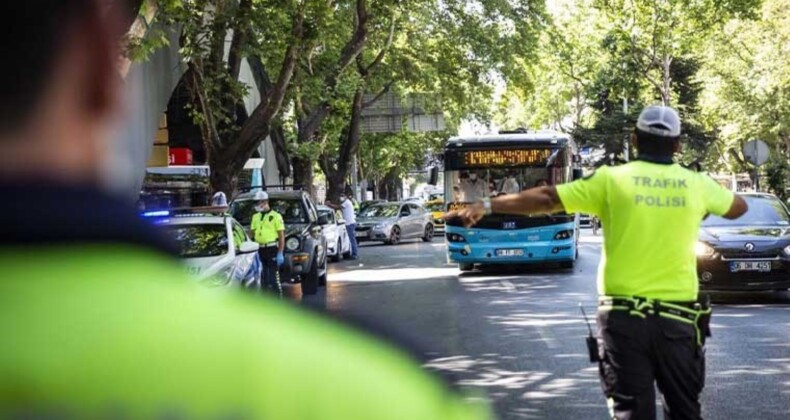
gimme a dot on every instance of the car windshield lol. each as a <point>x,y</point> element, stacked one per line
<point>381,210</point>
<point>196,241</point>
<point>762,211</point>
<point>326,212</point>
<point>289,208</point>
<point>434,207</point>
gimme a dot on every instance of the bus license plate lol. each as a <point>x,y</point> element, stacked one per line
<point>509,252</point>
<point>762,266</point>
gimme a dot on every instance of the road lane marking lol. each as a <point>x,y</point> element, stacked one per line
<point>508,285</point>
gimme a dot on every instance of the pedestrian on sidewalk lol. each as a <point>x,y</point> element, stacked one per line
<point>652,325</point>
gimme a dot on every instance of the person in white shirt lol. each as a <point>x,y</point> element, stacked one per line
<point>347,208</point>
<point>510,186</point>
<point>474,188</point>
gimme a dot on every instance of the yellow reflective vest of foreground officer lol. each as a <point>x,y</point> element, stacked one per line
<point>118,331</point>
<point>265,227</point>
<point>651,214</point>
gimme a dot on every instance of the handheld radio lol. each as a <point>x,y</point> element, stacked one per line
<point>592,343</point>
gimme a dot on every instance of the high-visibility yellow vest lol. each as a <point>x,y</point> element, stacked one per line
<point>266,227</point>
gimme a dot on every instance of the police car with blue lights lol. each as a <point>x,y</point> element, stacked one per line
<point>212,245</point>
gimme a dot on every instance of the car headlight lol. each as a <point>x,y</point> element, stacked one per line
<point>292,243</point>
<point>703,250</point>
<point>381,226</point>
<point>787,250</point>
<point>221,278</point>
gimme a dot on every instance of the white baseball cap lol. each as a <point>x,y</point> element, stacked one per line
<point>659,120</point>
<point>260,196</point>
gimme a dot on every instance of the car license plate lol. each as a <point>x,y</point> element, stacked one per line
<point>361,234</point>
<point>509,252</point>
<point>508,225</point>
<point>736,266</point>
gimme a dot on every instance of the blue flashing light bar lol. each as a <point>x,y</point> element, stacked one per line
<point>158,213</point>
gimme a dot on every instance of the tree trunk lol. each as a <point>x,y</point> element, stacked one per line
<point>334,190</point>
<point>337,169</point>
<point>389,187</point>
<point>666,80</point>
<point>223,177</point>
<point>277,137</point>
<point>303,174</point>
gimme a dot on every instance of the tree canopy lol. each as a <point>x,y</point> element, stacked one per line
<point>580,66</point>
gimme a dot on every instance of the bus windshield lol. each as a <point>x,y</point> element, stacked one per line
<point>470,185</point>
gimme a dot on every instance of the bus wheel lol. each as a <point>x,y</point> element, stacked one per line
<point>466,267</point>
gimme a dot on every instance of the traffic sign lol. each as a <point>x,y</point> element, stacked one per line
<point>756,152</point>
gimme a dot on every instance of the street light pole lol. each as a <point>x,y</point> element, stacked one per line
<point>627,145</point>
<point>354,178</point>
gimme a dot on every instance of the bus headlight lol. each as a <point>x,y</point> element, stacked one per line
<point>454,237</point>
<point>292,243</point>
<point>703,250</point>
<point>563,234</point>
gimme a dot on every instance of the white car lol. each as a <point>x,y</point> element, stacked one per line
<point>214,248</point>
<point>337,241</point>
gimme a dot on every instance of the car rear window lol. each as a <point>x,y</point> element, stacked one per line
<point>196,241</point>
<point>381,210</point>
<point>291,209</point>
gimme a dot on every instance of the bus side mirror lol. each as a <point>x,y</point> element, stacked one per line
<point>433,175</point>
<point>578,174</point>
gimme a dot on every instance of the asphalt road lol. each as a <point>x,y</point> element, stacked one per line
<point>517,335</point>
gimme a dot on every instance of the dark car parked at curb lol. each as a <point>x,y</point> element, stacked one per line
<point>305,244</point>
<point>751,253</point>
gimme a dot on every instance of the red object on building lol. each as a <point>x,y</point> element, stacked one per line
<point>180,156</point>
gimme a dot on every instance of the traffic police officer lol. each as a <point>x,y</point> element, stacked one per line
<point>268,230</point>
<point>98,318</point>
<point>651,326</point>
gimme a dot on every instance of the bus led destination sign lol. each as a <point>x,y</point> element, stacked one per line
<point>505,157</point>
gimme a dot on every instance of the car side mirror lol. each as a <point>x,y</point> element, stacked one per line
<point>405,213</point>
<point>323,220</point>
<point>248,247</point>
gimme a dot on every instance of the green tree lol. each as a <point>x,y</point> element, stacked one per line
<point>747,79</point>
<point>269,31</point>
<point>448,51</point>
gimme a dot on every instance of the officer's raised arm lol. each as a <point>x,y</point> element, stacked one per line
<point>737,209</point>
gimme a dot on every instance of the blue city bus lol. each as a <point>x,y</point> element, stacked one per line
<point>490,165</point>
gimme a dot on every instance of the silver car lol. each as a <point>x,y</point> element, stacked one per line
<point>393,222</point>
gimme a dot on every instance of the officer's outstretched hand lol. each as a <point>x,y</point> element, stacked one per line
<point>280,259</point>
<point>468,215</point>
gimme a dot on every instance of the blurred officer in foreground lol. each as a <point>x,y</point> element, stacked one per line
<point>651,326</point>
<point>268,231</point>
<point>97,320</point>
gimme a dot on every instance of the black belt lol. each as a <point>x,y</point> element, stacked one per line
<point>694,313</point>
<point>269,245</point>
